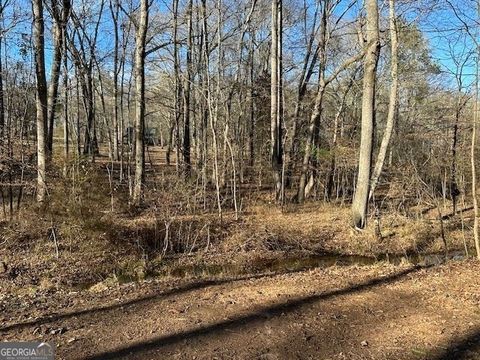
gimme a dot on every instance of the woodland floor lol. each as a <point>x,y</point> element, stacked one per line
<point>266,286</point>
<point>371,312</point>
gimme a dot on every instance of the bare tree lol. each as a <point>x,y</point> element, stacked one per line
<point>360,200</point>
<point>140,40</point>
<point>187,92</point>
<point>277,96</point>
<point>2,93</point>
<point>392,106</point>
<point>313,132</point>
<point>473,164</point>
<point>476,214</point>
<point>41,89</point>
<point>115,10</point>
<point>66,130</point>
<point>60,18</point>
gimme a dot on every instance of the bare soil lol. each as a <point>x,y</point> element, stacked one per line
<point>370,312</point>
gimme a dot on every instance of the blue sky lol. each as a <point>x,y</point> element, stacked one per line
<point>438,22</point>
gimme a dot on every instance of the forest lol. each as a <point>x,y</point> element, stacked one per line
<point>240,179</point>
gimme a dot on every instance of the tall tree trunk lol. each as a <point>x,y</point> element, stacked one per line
<point>174,129</point>
<point>41,93</point>
<point>474,171</point>
<point>2,95</point>
<point>89,147</point>
<point>309,62</point>
<point>121,127</point>
<point>476,214</point>
<point>66,145</point>
<point>203,53</point>
<point>392,106</point>
<point>276,97</point>
<point>60,19</point>
<point>187,92</point>
<point>360,200</point>
<point>114,10</point>
<point>79,135</point>
<point>140,40</point>
<point>251,143</point>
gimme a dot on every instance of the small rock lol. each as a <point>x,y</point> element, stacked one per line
<point>71,340</point>
<point>58,331</point>
<point>364,343</point>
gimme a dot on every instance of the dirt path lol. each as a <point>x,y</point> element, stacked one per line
<point>380,312</point>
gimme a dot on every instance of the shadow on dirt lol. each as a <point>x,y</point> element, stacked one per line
<point>464,348</point>
<point>191,286</point>
<point>142,348</point>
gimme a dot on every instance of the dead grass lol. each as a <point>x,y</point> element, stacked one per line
<point>180,226</point>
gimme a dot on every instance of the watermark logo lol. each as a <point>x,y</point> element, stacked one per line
<point>27,351</point>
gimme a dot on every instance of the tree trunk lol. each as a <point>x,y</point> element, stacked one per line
<point>251,143</point>
<point>314,125</point>
<point>2,95</point>
<point>140,39</point>
<point>360,200</point>
<point>392,107</point>
<point>309,62</point>
<point>187,93</point>
<point>114,10</point>
<point>473,157</point>
<point>41,92</point>
<point>59,26</point>
<point>65,106</point>
<point>176,96</point>
<point>276,97</point>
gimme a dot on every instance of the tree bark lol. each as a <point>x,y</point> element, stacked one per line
<point>176,96</point>
<point>114,10</point>
<point>41,95</point>
<point>276,97</point>
<point>318,106</point>
<point>474,172</point>
<point>476,214</point>
<point>66,144</point>
<point>392,106</point>
<point>2,94</point>
<point>59,26</point>
<point>140,40</point>
<point>360,200</point>
<point>187,93</point>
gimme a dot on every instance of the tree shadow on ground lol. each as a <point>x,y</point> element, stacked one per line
<point>191,286</point>
<point>142,348</point>
<point>464,348</point>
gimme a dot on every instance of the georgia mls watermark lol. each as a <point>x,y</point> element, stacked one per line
<point>27,351</point>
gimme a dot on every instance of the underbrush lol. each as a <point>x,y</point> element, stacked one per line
<point>87,232</point>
